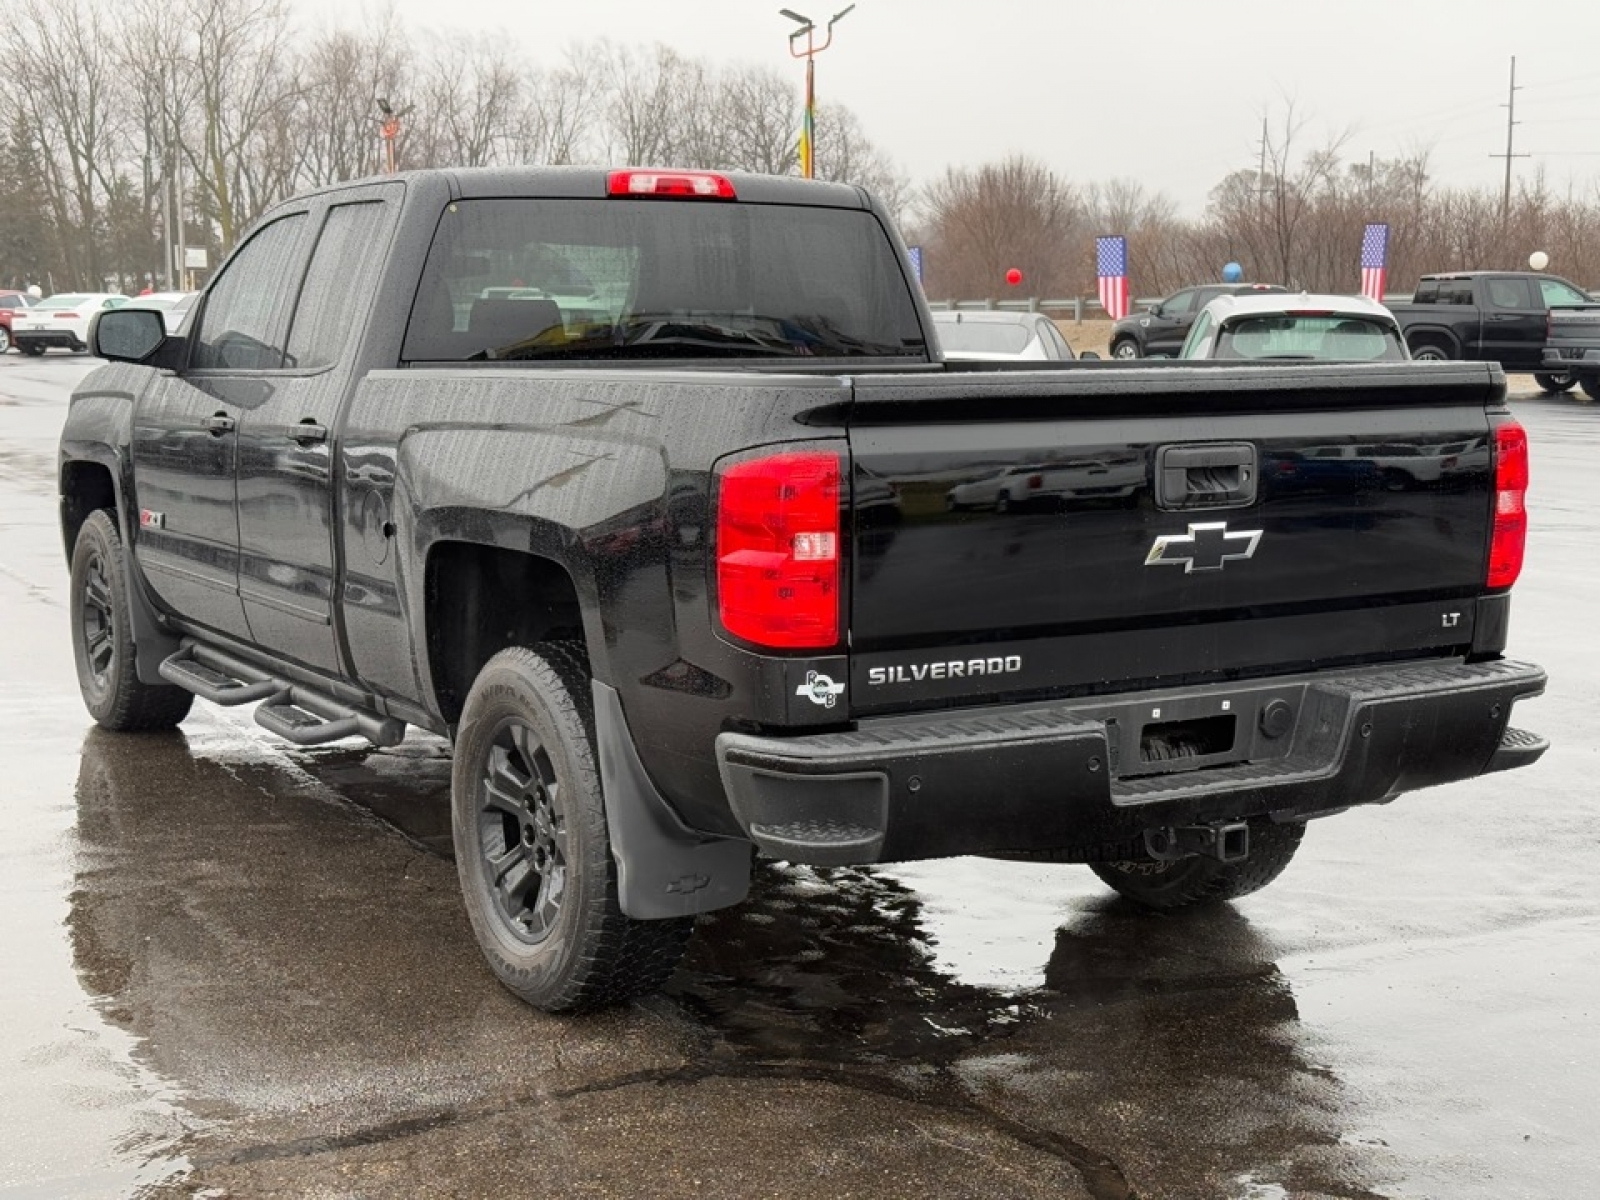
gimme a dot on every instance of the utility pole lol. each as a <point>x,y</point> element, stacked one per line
<point>1511,124</point>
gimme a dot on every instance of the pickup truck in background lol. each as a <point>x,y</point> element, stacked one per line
<point>1573,351</point>
<point>651,491</point>
<point>1489,316</point>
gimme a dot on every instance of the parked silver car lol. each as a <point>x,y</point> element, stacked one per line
<point>993,335</point>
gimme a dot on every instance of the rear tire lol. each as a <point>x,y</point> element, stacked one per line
<point>1557,383</point>
<point>1591,386</point>
<point>102,646</point>
<point>5,339</point>
<point>532,849</point>
<point>1430,352</point>
<point>1193,881</point>
<point>30,349</point>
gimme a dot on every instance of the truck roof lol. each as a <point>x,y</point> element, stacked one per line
<point>478,183</point>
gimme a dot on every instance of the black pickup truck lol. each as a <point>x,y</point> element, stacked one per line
<point>636,485</point>
<point>1489,316</point>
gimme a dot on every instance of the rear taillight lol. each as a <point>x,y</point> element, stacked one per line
<point>702,185</point>
<point>1510,504</point>
<point>778,550</point>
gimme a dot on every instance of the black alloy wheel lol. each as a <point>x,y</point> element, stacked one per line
<point>522,837</point>
<point>533,849</point>
<point>102,642</point>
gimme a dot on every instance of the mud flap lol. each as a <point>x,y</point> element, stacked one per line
<point>664,869</point>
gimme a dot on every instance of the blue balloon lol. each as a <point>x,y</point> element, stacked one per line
<point>1232,273</point>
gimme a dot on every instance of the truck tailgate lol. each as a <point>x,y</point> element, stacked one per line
<point>1083,531</point>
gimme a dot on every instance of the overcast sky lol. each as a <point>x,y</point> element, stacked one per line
<point>1162,91</point>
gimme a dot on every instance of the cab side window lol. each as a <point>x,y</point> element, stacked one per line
<point>246,313</point>
<point>1555,294</point>
<point>338,285</point>
<point>1180,304</point>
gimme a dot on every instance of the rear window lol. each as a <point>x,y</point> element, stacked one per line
<point>1331,337</point>
<point>63,301</point>
<point>618,279</point>
<point>986,337</point>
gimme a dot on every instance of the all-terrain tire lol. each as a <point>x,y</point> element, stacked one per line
<point>1556,383</point>
<point>102,642</point>
<point>1189,882</point>
<point>532,849</point>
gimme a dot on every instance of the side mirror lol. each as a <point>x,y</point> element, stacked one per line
<point>1088,356</point>
<point>126,334</point>
<point>1154,310</point>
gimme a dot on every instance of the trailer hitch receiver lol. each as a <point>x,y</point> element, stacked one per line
<point>1225,842</point>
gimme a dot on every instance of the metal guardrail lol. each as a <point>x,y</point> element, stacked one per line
<point>1079,305</point>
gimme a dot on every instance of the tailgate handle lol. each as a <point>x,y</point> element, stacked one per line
<point>1207,475</point>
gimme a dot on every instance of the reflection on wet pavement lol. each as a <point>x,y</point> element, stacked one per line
<point>308,978</point>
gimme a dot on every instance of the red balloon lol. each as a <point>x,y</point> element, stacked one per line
<point>1013,277</point>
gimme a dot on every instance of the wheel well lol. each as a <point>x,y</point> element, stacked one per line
<point>86,487</point>
<point>1439,340</point>
<point>482,599</point>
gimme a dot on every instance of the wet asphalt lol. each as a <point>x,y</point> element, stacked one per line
<point>233,968</point>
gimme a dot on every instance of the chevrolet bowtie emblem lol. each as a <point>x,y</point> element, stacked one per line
<point>1205,547</point>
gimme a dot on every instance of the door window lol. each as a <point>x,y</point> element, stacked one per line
<point>1178,304</point>
<point>247,310</point>
<point>1510,293</point>
<point>343,270</point>
<point>1556,294</point>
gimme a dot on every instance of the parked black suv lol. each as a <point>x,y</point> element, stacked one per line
<point>1162,328</point>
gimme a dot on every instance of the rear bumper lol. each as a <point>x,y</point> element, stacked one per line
<point>1070,777</point>
<point>1578,361</point>
<point>59,338</point>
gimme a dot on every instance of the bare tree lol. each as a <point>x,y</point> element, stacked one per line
<point>984,221</point>
<point>71,98</point>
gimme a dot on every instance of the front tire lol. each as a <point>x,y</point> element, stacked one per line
<point>1125,348</point>
<point>102,645</point>
<point>5,339</point>
<point>1557,383</point>
<point>1193,881</point>
<point>532,849</point>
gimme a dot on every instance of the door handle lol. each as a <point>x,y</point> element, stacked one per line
<point>309,431</point>
<point>218,423</point>
<point>1206,475</point>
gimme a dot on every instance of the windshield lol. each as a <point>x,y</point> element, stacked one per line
<point>988,337</point>
<point>647,279</point>
<point>1331,337</point>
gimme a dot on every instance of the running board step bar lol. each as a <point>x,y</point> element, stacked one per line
<point>293,711</point>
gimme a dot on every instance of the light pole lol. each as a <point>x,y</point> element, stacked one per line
<point>389,130</point>
<point>808,30</point>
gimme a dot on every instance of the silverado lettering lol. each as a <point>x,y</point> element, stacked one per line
<point>615,478</point>
<point>956,668</point>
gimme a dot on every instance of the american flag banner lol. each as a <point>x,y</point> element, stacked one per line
<point>1111,265</point>
<point>1374,261</point>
